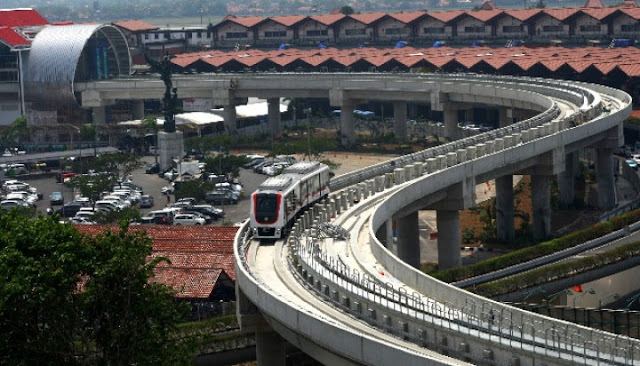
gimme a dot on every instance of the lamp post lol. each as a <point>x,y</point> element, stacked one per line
<point>534,291</point>
<point>590,291</point>
<point>552,297</point>
<point>613,296</point>
<point>308,112</point>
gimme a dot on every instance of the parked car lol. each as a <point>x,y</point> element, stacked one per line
<point>56,198</point>
<point>632,163</point>
<point>214,212</point>
<point>152,168</point>
<point>207,219</point>
<point>69,210</point>
<point>160,217</point>
<point>7,205</point>
<point>146,201</point>
<point>188,219</point>
<point>221,197</point>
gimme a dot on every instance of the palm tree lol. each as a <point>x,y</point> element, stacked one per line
<point>150,123</point>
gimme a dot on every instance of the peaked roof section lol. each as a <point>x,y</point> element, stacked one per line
<point>11,38</point>
<point>522,14</point>
<point>327,19</point>
<point>407,17</point>
<point>446,16</point>
<point>367,18</point>
<point>560,14</point>
<point>288,20</point>
<point>243,21</point>
<point>135,25</point>
<point>484,15</point>
<point>26,17</point>
<point>594,4</point>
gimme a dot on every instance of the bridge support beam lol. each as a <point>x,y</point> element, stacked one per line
<point>449,238</point>
<point>230,118</point>
<point>99,115</point>
<point>347,127</point>
<point>137,109</point>
<point>541,202</point>
<point>451,124</point>
<point>409,239</point>
<point>566,180</point>
<point>400,119</point>
<point>270,348</point>
<point>385,234</point>
<point>274,116</point>
<point>605,178</point>
<point>505,116</point>
<point>504,208</point>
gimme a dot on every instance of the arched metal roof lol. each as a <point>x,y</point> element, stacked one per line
<point>61,55</point>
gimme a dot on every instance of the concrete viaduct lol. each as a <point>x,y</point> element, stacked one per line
<point>340,290</point>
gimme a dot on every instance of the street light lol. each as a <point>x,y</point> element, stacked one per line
<point>308,112</point>
<point>613,296</point>
<point>535,290</point>
<point>552,297</point>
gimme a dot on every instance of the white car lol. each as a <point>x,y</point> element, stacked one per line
<point>25,196</point>
<point>188,219</point>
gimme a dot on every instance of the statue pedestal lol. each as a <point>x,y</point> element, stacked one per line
<point>170,146</point>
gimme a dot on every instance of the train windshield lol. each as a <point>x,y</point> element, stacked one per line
<point>266,206</point>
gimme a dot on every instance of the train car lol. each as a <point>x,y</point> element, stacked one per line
<point>280,199</point>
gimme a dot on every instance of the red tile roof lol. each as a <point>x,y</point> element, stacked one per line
<point>288,20</point>
<point>198,255</point>
<point>484,15</point>
<point>446,16</point>
<point>243,21</point>
<point>560,14</point>
<point>12,39</point>
<point>135,25</point>
<point>327,19</point>
<point>522,14</point>
<point>368,18</point>
<point>407,17</point>
<point>21,18</point>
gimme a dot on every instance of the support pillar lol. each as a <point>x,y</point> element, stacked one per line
<point>385,234</point>
<point>230,119</point>
<point>400,119</point>
<point>137,109</point>
<point>451,124</point>
<point>505,209</point>
<point>605,178</point>
<point>99,115</point>
<point>409,239</point>
<point>270,349</point>
<point>274,116</point>
<point>449,238</point>
<point>541,202</point>
<point>347,128</point>
<point>566,180</point>
<point>505,116</point>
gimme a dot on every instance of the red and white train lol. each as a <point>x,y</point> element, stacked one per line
<point>280,199</point>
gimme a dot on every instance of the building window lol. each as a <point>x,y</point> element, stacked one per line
<point>590,28</point>
<point>317,33</point>
<point>233,35</point>
<point>473,29</point>
<point>354,32</point>
<point>189,35</point>
<point>434,30</point>
<point>199,34</point>
<point>393,31</point>
<point>511,29</point>
<point>167,35</point>
<point>630,27</point>
<point>156,36</point>
<point>146,36</point>
<point>552,28</point>
<point>275,34</point>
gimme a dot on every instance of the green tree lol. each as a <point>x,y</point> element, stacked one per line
<point>92,186</point>
<point>150,124</point>
<point>346,10</point>
<point>225,164</point>
<point>196,188</point>
<point>72,299</point>
<point>121,165</point>
<point>18,132</point>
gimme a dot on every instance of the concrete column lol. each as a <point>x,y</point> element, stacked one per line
<point>566,180</point>
<point>605,179</point>
<point>385,234</point>
<point>137,109</point>
<point>449,238</point>
<point>274,116</point>
<point>505,208</point>
<point>230,119</point>
<point>270,349</point>
<point>451,124</point>
<point>541,203</point>
<point>347,127</point>
<point>99,115</point>
<point>400,119</point>
<point>409,239</point>
<point>505,116</point>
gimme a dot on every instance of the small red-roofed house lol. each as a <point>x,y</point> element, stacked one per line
<point>317,28</point>
<point>234,30</point>
<point>134,30</point>
<point>358,27</point>
<point>277,30</point>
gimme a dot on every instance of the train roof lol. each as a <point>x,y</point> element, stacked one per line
<point>279,182</point>
<point>302,167</point>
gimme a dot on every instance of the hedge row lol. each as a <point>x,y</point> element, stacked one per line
<point>558,271</point>
<point>538,250</point>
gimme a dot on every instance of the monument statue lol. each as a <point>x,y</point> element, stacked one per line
<point>170,100</point>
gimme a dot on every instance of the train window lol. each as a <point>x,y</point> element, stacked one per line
<point>266,207</point>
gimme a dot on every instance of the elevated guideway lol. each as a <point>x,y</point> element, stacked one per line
<point>356,302</point>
